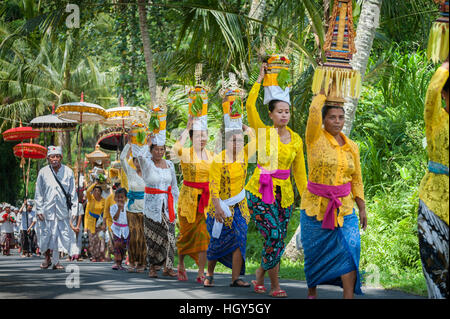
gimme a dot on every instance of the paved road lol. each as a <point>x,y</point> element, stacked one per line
<point>22,278</point>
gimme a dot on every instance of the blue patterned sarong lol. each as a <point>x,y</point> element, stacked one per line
<point>330,253</point>
<point>221,249</point>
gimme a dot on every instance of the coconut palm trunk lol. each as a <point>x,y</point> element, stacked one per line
<point>148,55</point>
<point>365,34</point>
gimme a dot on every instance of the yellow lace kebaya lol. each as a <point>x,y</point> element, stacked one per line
<point>288,155</point>
<point>93,206</point>
<point>227,180</point>
<point>194,170</point>
<point>434,188</point>
<point>330,164</point>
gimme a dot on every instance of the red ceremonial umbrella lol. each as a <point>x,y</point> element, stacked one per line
<point>20,133</point>
<point>30,150</point>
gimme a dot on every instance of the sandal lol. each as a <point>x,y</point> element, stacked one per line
<point>211,281</point>
<point>181,274</point>
<point>45,266</point>
<point>169,273</point>
<point>140,269</point>
<point>278,294</point>
<point>152,273</point>
<point>239,280</point>
<point>259,289</point>
<point>200,279</point>
<point>57,267</point>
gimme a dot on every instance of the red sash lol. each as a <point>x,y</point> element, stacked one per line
<point>204,199</point>
<point>149,190</point>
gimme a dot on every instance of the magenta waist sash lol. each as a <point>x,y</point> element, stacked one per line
<point>266,182</point>
<point>120,225</point>
<point>332,193</point>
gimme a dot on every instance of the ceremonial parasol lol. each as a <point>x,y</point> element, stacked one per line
<point>82,112</point>
<point>125,115</point>
<point>52,123</point>
<point>111,139</point>
<point>30,150</point>
<point>20,133</point>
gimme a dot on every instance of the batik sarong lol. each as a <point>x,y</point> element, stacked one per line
<point>160,239</point>
<point>193,237</point>
<point>233,236</point>
<point>120,248</point>
<point>137,250</point>
<point>329,254</point>
<point>433,244</point>
<point>272,222</point>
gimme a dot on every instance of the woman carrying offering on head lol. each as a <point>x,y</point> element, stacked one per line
<point>160,198</point>
<point>433,192</point>
<point>228,214</point>
<point>329,225</point>
<point>270,193</point>
<point>137,250</point>
<point>194,198</point>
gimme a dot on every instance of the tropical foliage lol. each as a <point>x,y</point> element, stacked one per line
<point>44,62</point>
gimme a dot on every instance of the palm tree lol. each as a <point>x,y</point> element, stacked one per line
<point>365,34</point>
<point>151,76</point>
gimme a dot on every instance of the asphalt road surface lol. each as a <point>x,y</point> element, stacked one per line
<point>22,278</point>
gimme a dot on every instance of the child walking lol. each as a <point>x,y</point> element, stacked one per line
<point>119,228</point>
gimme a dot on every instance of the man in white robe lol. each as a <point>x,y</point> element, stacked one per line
<point>52,211</point>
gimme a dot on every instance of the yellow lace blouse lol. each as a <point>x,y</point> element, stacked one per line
<point>194,170</point>
<point>290,154</point>
<point>330,164</point>
<point>227,180</point>
<point>94,206</point>
<point>109,201</point>
<point>434,190</point>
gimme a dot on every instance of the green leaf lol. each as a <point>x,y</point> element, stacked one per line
<point>197,106</point>
<point>153,123</point>
<point>140,137</point>
<point>237,106</point>
<point>284,79</point>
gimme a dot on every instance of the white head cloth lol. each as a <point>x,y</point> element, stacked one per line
<point>54,150</point>
<point>200,123</point>
<point>276,93</point>
<point>159,139</point>
<point>232,124</point>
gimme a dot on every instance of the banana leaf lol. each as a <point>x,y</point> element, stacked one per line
<point>141,136</point>
<point>284,79</point>
<point>153,123</point>
<point>236,107</point>
<point>197,106</point>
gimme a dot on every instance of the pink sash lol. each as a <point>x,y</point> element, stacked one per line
<point>332,193</point>
<point>120,225</point>
<point>266,182</point>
